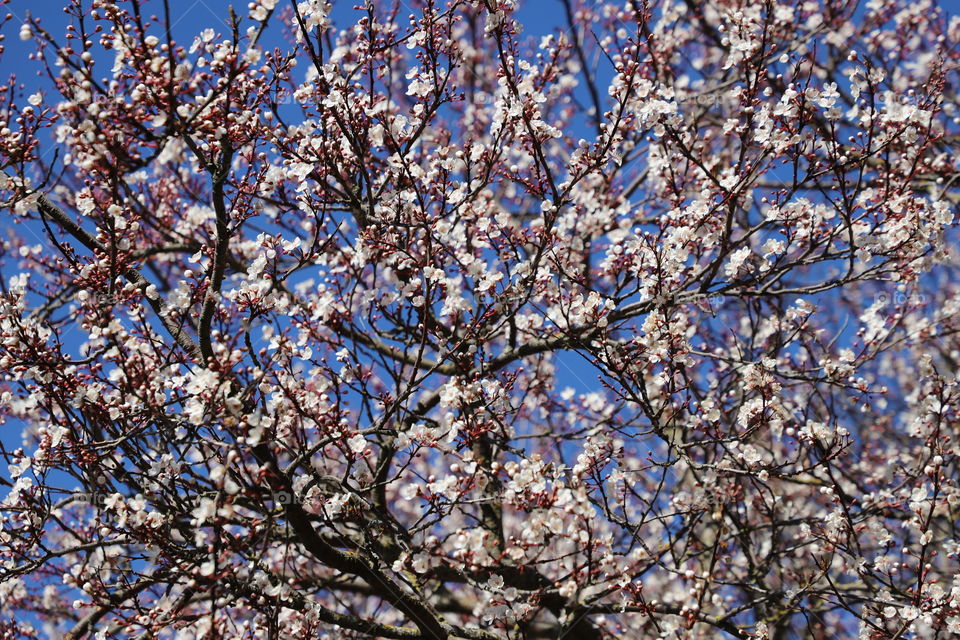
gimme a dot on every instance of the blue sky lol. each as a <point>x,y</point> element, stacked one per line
<point>192,17</point>
<point>539,17</point>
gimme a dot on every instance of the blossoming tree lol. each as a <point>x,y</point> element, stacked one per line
<point>392,321</point>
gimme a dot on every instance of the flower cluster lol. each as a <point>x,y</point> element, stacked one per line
<point>395,321</point>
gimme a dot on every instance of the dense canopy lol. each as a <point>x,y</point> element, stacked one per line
<point>406,321</point>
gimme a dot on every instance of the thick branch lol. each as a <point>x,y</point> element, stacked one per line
<point>173,327</point>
